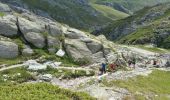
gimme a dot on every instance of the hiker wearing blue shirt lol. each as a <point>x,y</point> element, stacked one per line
<point>103,68</point>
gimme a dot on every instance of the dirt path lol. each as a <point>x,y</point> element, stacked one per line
<point>11,67</point>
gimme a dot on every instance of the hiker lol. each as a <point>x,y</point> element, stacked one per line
<point>129,63</point>
<point>134,62</point>
<point>103,68</point>
<point>112,67</point>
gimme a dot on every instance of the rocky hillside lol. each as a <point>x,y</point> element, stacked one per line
<point>23,33</point>
<point>130,6</point>
<point>149,25</point>
<point>81,14</point>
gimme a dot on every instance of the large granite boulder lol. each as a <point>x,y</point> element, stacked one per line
<point>74,34</point>
<point>4,8</point>
<point>36,39</point>
<point>8,26</point>
<point>30,26</point>
<point>27,51</point>
<point>53,44</point>
<point>95,47</point>
<point>77,50</point>
<point>55,29</point>
<point>8,49</point>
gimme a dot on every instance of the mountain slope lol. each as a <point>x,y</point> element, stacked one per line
<point>130,6</point>
<point>149,25</point>
<point>80,14</point>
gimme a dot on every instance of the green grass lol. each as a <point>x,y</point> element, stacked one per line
<point>11,61</point>
<point>2,14</point>
<point>66,74</point>
<point>40,91</point>
<point>109,12</point>
<point>141,36</point>
<point>132,5</point>
<point>156,83</point>
<point>152,49</point>
<point>13,77</point>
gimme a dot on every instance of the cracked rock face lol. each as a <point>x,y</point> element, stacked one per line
<point>8,26</point>
<point>8,49</point>
<point>37,39</point>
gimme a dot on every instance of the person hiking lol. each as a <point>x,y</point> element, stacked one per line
<point>103,68</point>
<point>112,67</point>
<point>134,62</point>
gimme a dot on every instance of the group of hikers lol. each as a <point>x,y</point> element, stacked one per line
<point>131,63</point>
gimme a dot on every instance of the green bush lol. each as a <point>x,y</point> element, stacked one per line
<point>2,14</point>
<point>40,91</point>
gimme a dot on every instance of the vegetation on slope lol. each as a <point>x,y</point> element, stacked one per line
<point>149,25</point>
<point>108,12</point>
<point>74,13</point>
<point>156,86</point>
<point>130,6</point>
<point>40,91</point>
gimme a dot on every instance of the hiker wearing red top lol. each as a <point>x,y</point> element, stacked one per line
<point>112,67</point>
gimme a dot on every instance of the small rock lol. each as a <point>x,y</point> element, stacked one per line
<point>46,77</point>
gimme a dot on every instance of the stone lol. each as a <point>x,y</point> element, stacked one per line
<point>4,8</point>
<point>8,26</point>
<point>53,44</point>
<point>29,26</point>
<point>86,39</point>
<point>94,47</point>
<point>99,57</point>
<point>46,77</point>
<point>37,39</point>
<point>35,66</point>
<point>8,49</point>
<point>74,34</point>
<point>27,51</point>
<point>55,29</point>
<point>77,49</point>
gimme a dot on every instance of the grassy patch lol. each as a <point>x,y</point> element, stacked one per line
<point>11,61</point>
<point>66,74</point>
<point>15,76</point>
<point>2,14</point>
<point>156,83</point>
<point>40,91</point>
<point>152,49</point>
<point>109,12</point>
<point>141,36</point>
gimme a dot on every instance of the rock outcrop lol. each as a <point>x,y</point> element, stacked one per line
<point>4,8</point>
<point>8,49</point>
<point>37,39</point>
<point>8,26</point>
<point>44,33</point>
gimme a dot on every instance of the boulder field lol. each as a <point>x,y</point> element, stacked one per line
<point>43,33</point>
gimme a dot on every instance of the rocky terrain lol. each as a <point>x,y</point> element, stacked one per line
<point>38,54</point>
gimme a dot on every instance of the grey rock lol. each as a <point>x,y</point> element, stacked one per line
<point>94,47</point>
<point>27,51</point>
<point>74,34</point>
<point>86,40</point>
<point>55,29</point>
<point>30,26</point>
<point>8,49</point>
<point>98,57</point>
<point>4,8</point>
<point>53,44</point>
<point>8,26</point>
<point>37,39</point>
<point>77,49</point>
